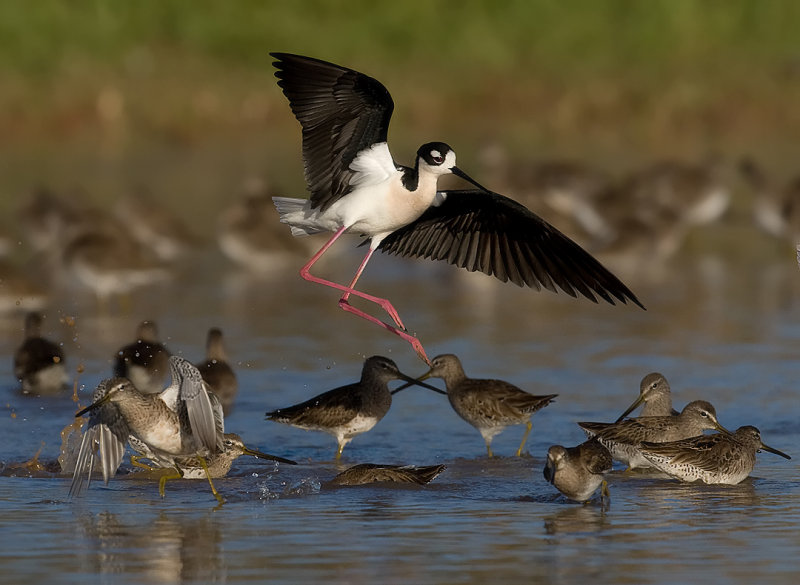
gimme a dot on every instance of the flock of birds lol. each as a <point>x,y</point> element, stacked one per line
<point>356,187</point>
<point>179,429</point>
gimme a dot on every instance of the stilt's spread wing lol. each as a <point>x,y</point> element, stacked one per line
<point>342,112</point>
<point>485,231</point>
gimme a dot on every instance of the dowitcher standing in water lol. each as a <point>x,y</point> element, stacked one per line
<point>655,394</point>
<point>578,471</point>
<point>349,410</point>
<point>38,362</point>
<point>145,361</point>
<point>623,438</point>
<point>217,371</point>
<point>181,427</point>
<point>714,459</point>
<point>488,405</point>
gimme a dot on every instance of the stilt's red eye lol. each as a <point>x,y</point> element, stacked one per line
<point>436,157</point>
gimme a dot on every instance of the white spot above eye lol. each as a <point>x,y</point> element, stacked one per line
<point>436,154</point>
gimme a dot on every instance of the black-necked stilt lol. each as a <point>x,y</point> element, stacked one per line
<point>357,187</point>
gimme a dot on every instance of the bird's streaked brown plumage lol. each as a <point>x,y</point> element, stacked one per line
<point>623,438</point>
<point>488,405</point>
<point>721,458</point>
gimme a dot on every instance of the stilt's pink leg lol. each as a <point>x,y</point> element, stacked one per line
<point>344,303</point>
<point>384,303</point>
<point>348,290</point>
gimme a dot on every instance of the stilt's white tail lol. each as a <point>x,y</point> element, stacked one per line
<point>292,211</point>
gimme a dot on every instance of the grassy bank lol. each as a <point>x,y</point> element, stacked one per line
<point>580,78</point>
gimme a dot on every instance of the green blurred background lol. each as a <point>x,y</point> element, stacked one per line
<point>179,95</point>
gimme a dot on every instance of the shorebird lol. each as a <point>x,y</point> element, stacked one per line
<point>577,472</point>
<point>248,234</point>
<point>349,410</point>
<point>718,458</point>
<point>654,392</point>
<point>623,438</point>
<point>38,362</point>
<point>216,370</point>
<point>371,472</point>
<point>356,187</point>
<point>145,362</point>
<point>488,405</point>
<point>18,290</point>
<point>155,227</point>
<point>180,428</point>
<point>776,208</point>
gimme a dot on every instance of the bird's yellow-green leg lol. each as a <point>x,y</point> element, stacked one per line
<point>136,462</point>
<point>528,428</point>
<point>489,449</point>
<point>339,451</point>
<point>204,465</point>
<point>605,495</point>
<point>162,482</point>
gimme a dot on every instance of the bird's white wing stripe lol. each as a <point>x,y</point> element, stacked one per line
<point>372,165</point>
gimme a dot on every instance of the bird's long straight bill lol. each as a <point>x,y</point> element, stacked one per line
<point>775,451</point>
<point>91,407</point>
<point>260,455</point>
<point>631,408</point>
<point>417,382</point>
<point>459,173</point>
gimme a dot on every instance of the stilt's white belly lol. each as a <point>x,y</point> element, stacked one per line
<point>370,210</point>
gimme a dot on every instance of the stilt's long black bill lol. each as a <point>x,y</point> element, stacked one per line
<point>459,173</point>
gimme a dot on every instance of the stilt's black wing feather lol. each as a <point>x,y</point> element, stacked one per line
<point>342,112</point>
<point>479,230</point>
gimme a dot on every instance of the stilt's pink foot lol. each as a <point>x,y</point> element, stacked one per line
<point>417,345</point>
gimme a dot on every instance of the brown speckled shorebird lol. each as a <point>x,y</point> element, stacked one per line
<point>718,458</point>
<point>349,410</point>
<point>578,471</point>
<point>145,361</point>
<point>622,438</point>
<point>371,472</point>
<point>217,372</point>
<point>654,392</point>
<point>180,427</point>
<point>219,464</point>
<point>488,405</point>
<point>38,362</point>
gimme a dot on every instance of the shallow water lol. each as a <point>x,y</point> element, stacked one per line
<point>717,327</point>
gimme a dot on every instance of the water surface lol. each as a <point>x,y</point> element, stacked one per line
<point>718,327</point>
